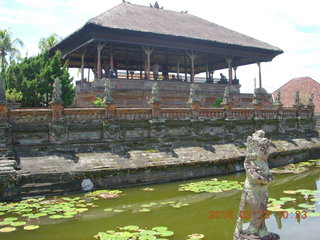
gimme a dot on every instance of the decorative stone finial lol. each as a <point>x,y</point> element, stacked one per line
<point>226,96</point>
<point>277,102</point>
<point>297,100</point>
<point>278,98</point>
<point>154,93</point>
<point>3,99</point>
<point>255,190</point>
<point>107,98</point>
<point>57,91</point>
<point>193,95</point>
<point>255,99</point>
<point>311,103</point>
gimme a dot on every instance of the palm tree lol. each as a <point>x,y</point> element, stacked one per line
<point>8,47</point>
<point>46,43</point>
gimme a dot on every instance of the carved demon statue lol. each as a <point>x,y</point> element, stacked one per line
<point>254,198</point>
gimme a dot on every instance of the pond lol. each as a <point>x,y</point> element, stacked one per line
<point>294,211</point>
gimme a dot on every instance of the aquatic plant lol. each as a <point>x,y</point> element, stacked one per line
<point>297,168</point>
<point>133,232</point>
<point>26,212</point>
<point>212,186</point>
<point>306,195</point>
<point>105,194</point>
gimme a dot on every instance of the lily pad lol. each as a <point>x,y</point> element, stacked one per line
<point>7,229</point>
<point>196,236</point>
<point>31,227</point>
<point>17,224</point>
<point>144,210</point>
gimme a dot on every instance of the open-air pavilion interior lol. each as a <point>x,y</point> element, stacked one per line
<point>131,38</point>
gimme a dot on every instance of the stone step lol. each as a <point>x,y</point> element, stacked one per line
<point>48,188</point>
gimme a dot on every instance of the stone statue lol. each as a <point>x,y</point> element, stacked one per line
<point>107,98</point>
<point>255,99</point>
<point>278,98</point>
<point>254,198</point>
<point>56,95</point>
<point>193,95</point>
<point>2,91</point>
<point>226,96</point>
<point>311,103</point>
<point>297,99</point>
<point>154,93</point>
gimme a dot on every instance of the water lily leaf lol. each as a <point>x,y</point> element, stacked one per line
<point>166,233</point>
<point>196,236</point>
<point>10,219</point>
<point>290,192</point>
<point>159,229</point>
<point>148,232</point>
<point>7,229</point>
<point>303,205</point>
<point>313,214</point>
<point>118,210</point>
<point>31,227</point>
<point>108,209</point>
<point>131,228</point>
<point>144,210</point>
<point>147,237</point>
<point>17,224</point>
<point>287,199</point>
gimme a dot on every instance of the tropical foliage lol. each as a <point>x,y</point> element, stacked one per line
<point>34,77</point>
<point>46,43</point>
<point>8,48</point>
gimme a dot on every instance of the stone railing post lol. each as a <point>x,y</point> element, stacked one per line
<point>57,102</point>
<point>110,106</point>
<point>155,101</point>
<point>311,105</point>
<point>194,101</point>
<point>227,103</point>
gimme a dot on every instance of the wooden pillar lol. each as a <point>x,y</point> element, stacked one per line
<point>260,81</point>
<point>192,55</point>
<point>88,74</point>
<point>82,66</point>
<point>148,50</point>
<point>235,72</point>
<point>178,69</point>
<point>229,61</point>
<point>185,67</point>
<point>140,64</point>
<point>99,49</point>
<point>127,63</point>
<point>111,58</point>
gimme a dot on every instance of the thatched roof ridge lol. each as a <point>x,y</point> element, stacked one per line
<point>139,18</point>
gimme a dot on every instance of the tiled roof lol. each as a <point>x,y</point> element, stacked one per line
<point>305,85</point>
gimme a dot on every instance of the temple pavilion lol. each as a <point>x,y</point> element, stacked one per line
<point>136,45</point>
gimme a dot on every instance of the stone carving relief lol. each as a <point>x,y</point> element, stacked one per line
<point>255,191</point>
<point>58,131</point>
<point>111,131</point>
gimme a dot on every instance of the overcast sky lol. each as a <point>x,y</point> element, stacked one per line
<point>292,25</point>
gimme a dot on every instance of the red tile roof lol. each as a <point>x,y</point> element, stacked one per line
<point>305,85</point>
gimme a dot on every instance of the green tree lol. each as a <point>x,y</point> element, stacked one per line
<point>8,48</point>
<point>34,77</point>
<point>46,43</point>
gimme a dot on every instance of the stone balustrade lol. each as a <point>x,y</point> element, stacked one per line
<point>34,115</point>
<point>59,125</point>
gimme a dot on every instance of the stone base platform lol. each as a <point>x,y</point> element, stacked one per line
<point>59,169</point>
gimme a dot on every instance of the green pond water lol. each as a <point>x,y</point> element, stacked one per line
<point>168,207</point>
